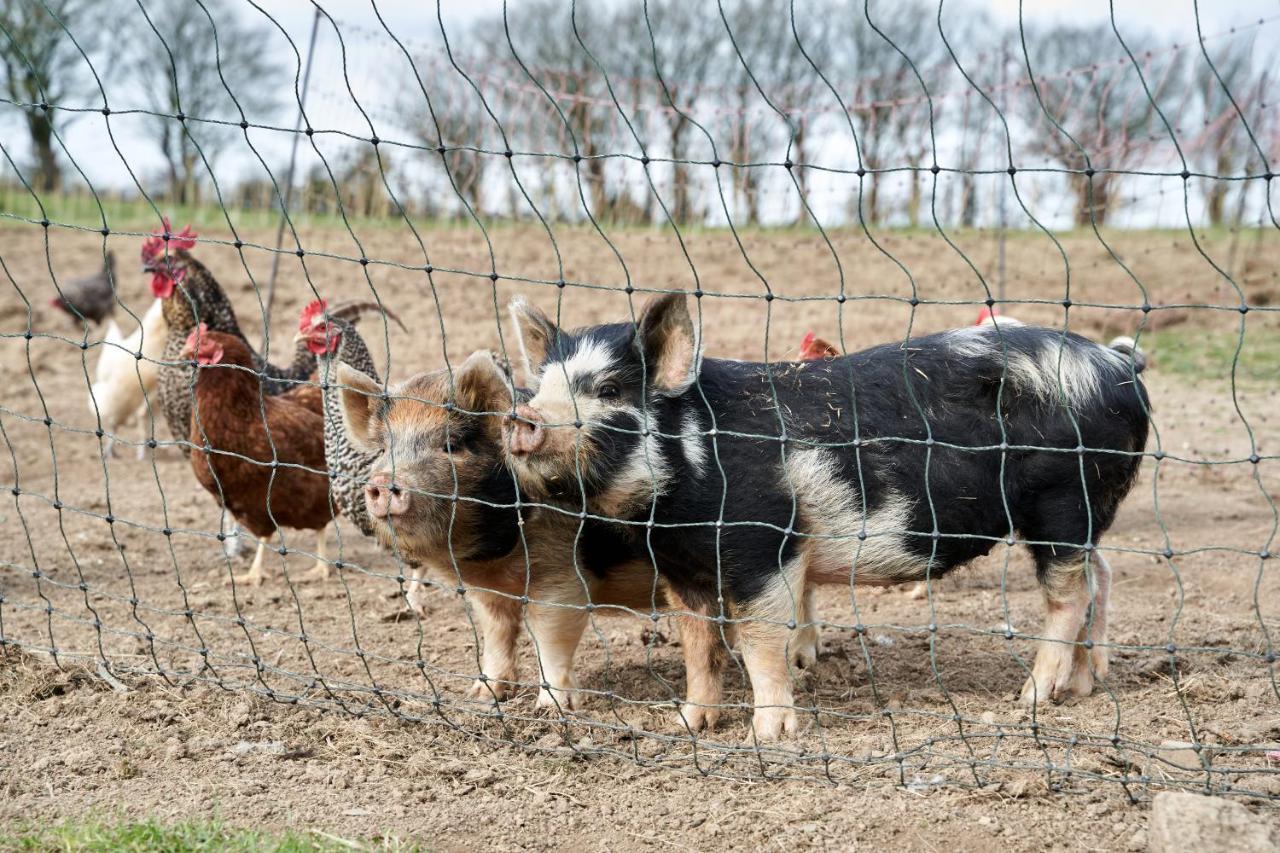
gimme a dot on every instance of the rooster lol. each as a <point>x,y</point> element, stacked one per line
<point>260,456</point>
<point>92,298</point>
<point>191,295</point>
<point>813,348</point>
<point>123,382</point>
<point>992,315</point>
<point>333,341</point>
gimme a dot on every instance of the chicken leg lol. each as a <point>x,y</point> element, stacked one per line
<point>231,540</point>
<point>320,571</point>
<point>256,574</point>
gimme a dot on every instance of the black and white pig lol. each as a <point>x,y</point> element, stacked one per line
<point>440,493</point>
<point>752,482</point>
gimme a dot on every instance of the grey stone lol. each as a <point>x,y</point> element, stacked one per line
<point>1186,822</point>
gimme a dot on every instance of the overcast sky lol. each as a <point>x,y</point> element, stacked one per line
<point>368,62</point>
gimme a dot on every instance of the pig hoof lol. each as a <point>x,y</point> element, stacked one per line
<point>1057,686</point>
<point>489,689</point>
<point>556,699</point>
<point>697,717</point>
<point>1101,662</point>
<point>804,650</point>
<point>804,658</point>
<point>770,724</point>
<point>1079,685</point>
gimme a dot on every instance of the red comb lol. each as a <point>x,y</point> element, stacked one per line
<point>314,309</point>
<point>153,246</point>
<point>813,348</point>
<point>200,331</point>
<point>986,314</point>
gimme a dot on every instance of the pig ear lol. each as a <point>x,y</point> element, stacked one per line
<point>361,397</point>
<point>669,344</point>
<point>534,332</point>
<point>480,385</point>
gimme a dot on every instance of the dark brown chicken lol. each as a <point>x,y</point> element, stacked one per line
<point>260,456</point>
<point>191,295</point>
<point>92,297</point>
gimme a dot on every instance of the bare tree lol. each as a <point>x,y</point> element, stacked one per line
<point>41,64</point>
<point>187,67</point>
<point>875,50</point>
<point>1225,137</point>
<point>1090,89</point>
<point>543,36</point>
<point>771,53</point>
<point>679,40</point>
<point>456,120</point>
<point>747,122</point>
<point>981,52</point>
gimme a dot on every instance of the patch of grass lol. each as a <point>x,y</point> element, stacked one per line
<point>1204,354</point>
<point>93,835</point>
<point>81,210</point>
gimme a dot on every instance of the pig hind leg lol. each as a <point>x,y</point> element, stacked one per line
<point>1099,614</point>
<point>1076,585</point>
<point>804,645</point>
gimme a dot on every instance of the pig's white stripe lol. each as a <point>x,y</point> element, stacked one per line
<point>692,443</point>
<point>591,358</point>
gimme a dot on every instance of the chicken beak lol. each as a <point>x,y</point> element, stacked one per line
<point>299,338</point>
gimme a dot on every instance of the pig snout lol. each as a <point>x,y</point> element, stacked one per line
<point>384,498</point>
<point>525,432</point>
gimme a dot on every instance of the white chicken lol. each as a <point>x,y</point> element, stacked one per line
<point>122,382</point>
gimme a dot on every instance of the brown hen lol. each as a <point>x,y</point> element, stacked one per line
<point>261,457</point>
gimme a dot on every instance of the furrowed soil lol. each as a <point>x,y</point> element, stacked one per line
<point>326,706</point>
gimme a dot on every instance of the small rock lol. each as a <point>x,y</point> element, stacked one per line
<point>241,715</point>
<point>268,747</point>
<point>989,718</point>
<point>1183,755</point>
<point>43,763</point>
<point>1268,785</point>
<point>1182,821</point>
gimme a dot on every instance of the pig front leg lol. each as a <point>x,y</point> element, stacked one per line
<point>706,651</point>
<point>556,630</point>
<point>498,623</point>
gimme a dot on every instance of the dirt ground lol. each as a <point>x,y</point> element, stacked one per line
<point>371,736</point>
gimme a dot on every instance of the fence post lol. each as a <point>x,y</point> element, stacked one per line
<point>293,163</point>
<point>1003,215</point>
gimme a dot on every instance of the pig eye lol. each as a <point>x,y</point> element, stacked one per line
<point>608,390</point>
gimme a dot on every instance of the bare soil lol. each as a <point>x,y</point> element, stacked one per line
<point>915,738</point>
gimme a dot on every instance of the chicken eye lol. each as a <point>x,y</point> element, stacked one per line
<point>608,390</point>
